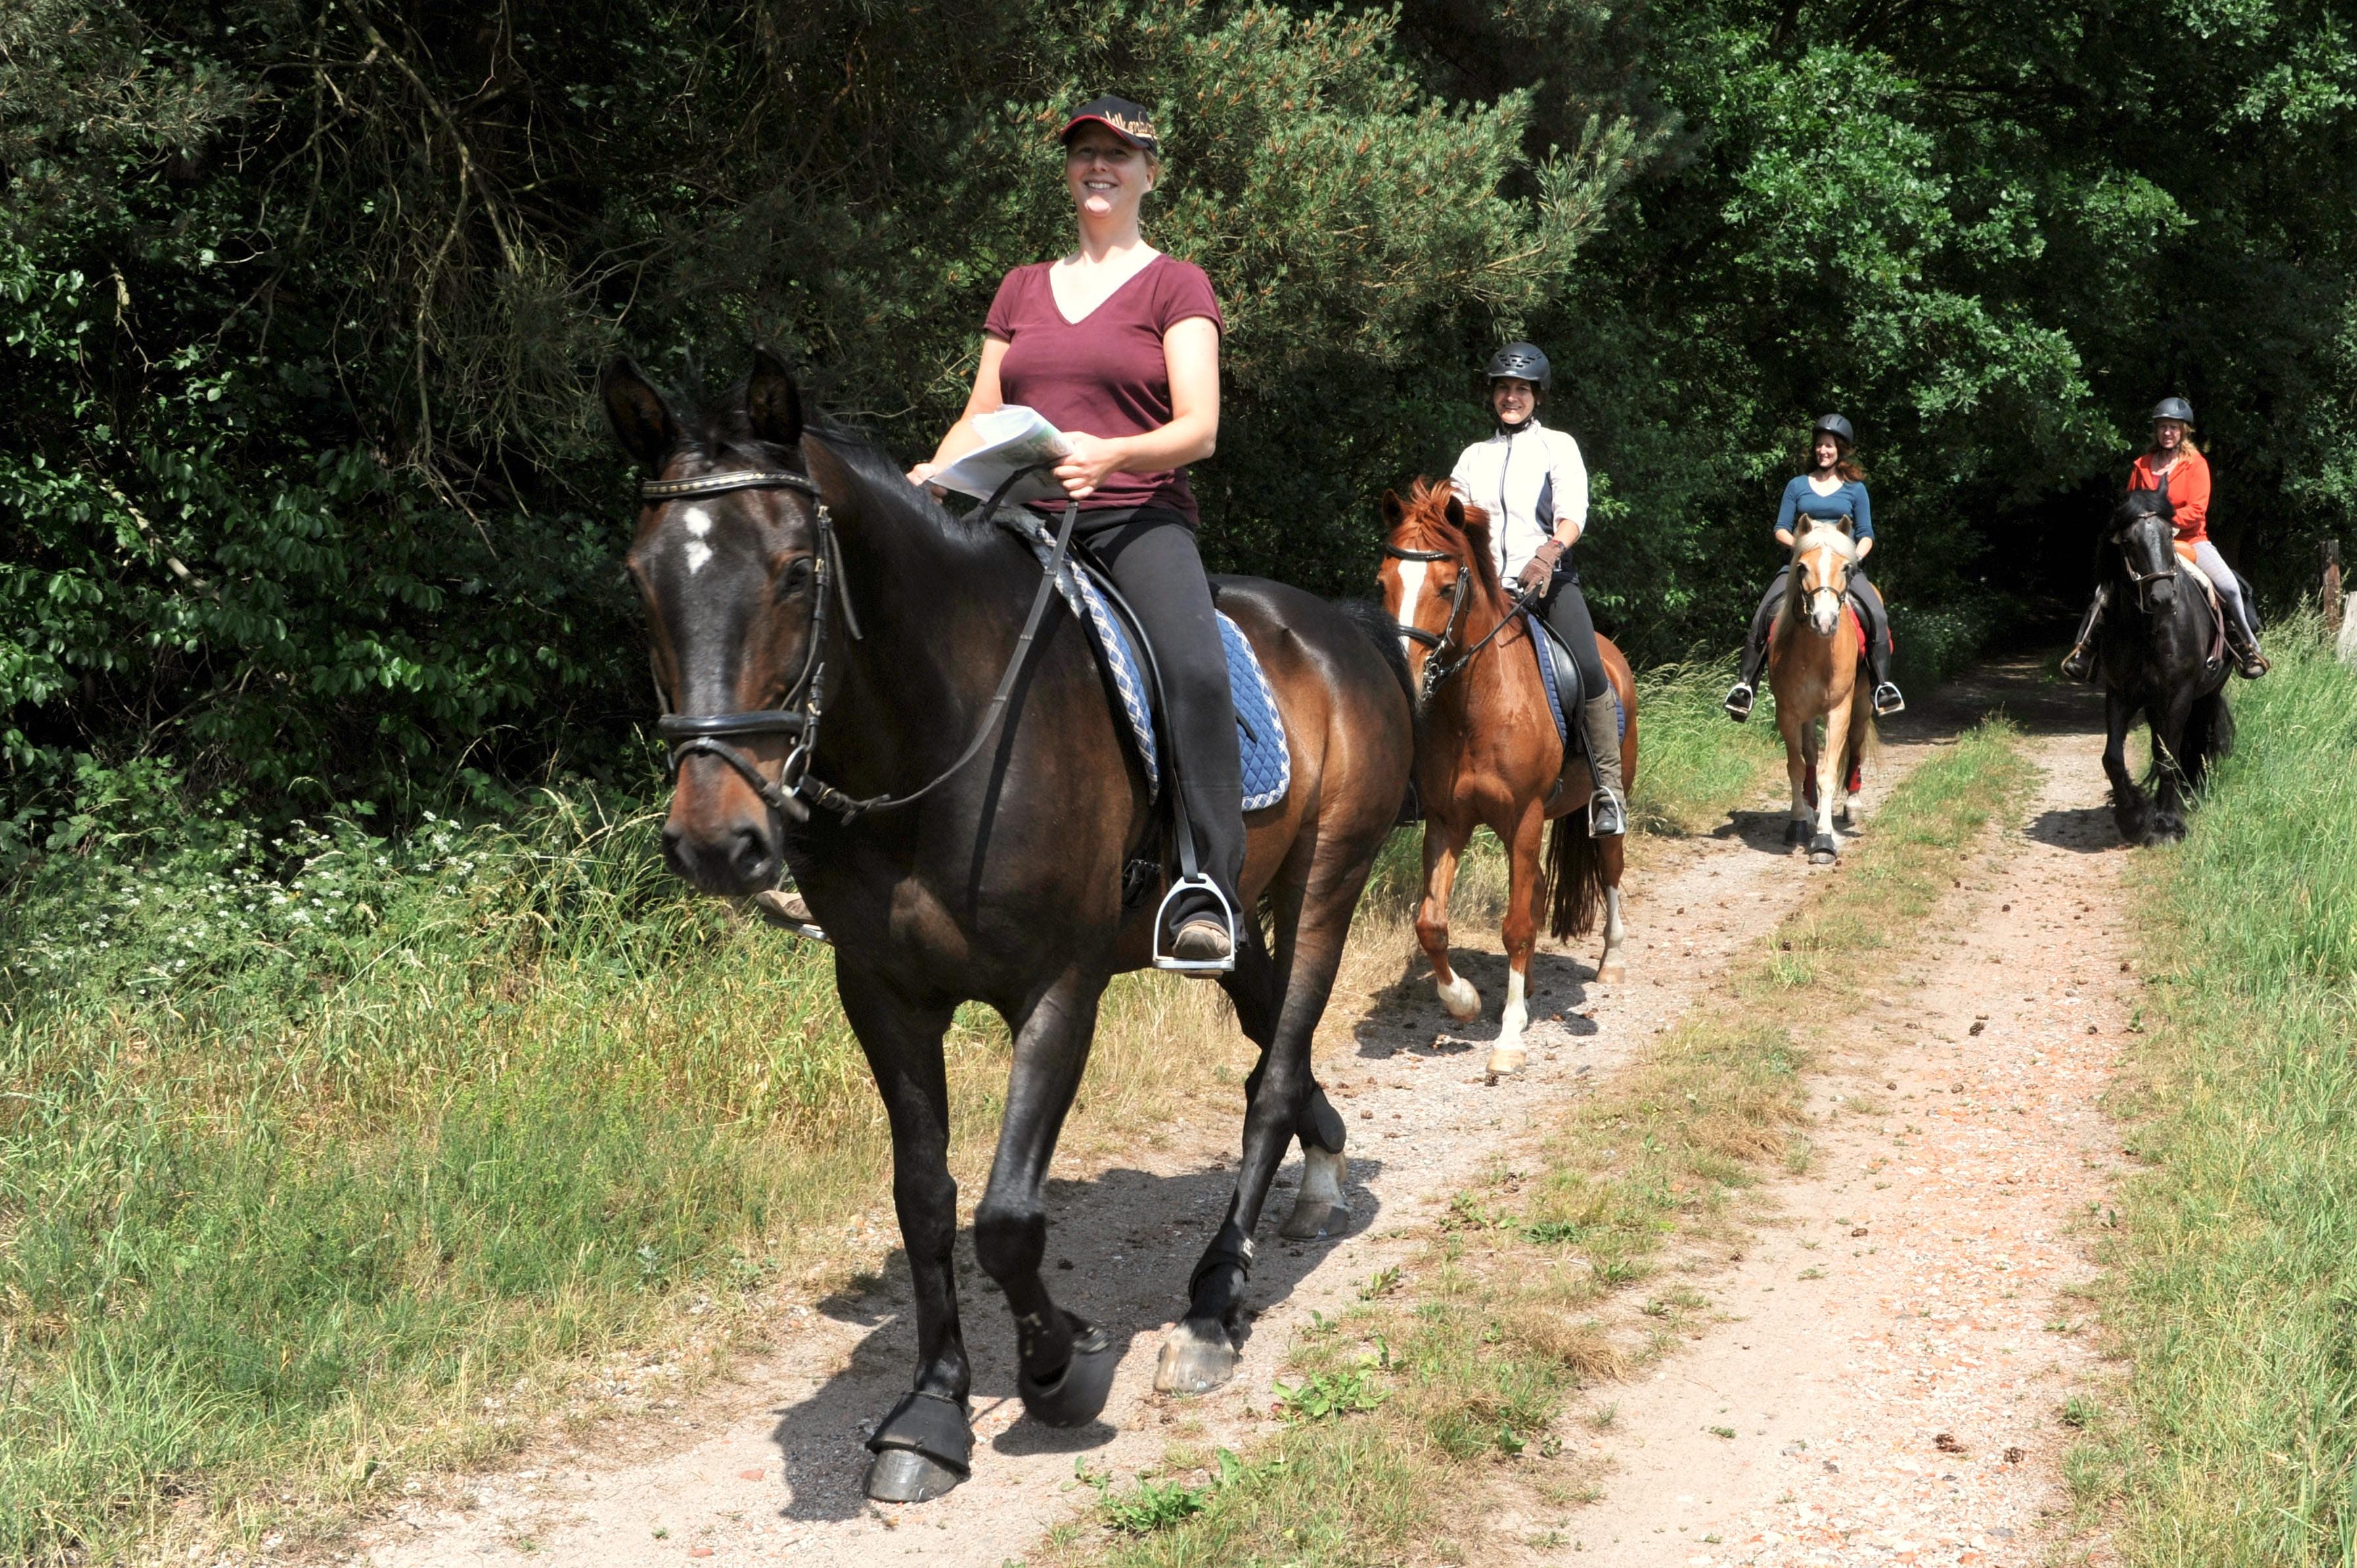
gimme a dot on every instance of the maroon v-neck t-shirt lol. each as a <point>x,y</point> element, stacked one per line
<point>1104,374</point>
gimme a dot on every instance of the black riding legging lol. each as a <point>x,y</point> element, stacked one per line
<point>1565,610</point>
<point>1878,626</point>
<point>1151,555</point>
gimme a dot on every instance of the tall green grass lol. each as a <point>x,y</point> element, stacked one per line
<point>313,1143</point>
<point>2235,1282</point>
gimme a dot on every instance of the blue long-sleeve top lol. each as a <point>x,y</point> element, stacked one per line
<point>1849,501</point>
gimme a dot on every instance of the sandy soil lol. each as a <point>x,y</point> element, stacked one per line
<point>1886,1376</point>
<point>768,1465</point>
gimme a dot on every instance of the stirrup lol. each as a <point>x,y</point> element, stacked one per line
<point>2079,664</point>
<point>1739,698</point>
<point>1887,701</point>
<point>771,906</point>
<point>1164,958</point>
<point>1606,820</point>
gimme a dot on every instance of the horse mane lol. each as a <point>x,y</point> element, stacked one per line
<point>713,424</point>
<point>1424,525</point>
<point>1843,541</point>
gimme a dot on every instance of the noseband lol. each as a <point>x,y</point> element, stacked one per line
<point>1438,676</point>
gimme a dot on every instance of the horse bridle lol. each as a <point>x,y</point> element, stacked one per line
<point>799,711</point>
<point>1436,678</point>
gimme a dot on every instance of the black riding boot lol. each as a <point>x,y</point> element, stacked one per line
<point>1875,621</point>
<point>1740,696</point>
<point>2079,664</point>
<point>2249,662</point>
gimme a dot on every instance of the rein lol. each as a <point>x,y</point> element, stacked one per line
<point>799,711</point>
<point>1434,680</point>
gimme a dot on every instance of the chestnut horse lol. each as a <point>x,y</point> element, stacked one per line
<point>1814,648</point>
<point>1488,755</point>
<point>896,703</point>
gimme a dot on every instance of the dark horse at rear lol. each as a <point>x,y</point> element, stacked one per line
<point>2162,658</point>
<point>856,693</point>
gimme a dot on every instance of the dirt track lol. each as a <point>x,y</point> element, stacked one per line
<point>767,1466</point>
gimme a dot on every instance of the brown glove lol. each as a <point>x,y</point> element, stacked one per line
<point>1539,570</point>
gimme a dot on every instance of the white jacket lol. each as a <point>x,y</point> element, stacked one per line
<point>1525,481</point>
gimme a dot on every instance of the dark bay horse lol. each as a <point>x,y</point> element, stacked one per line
<point>830,644</point>
<point>2162,655</point>
<point>1489,756</point>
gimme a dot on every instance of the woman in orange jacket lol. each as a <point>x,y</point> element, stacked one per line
<point>2174,464</point>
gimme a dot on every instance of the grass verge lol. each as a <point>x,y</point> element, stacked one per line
<point>1459,1371</point>
<point>327,1159</point>
<point>2233,1289</point>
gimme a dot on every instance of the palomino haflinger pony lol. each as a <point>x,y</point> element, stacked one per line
<point>1488,754</point>
<point>969,823</point>
<point>1814,650</point>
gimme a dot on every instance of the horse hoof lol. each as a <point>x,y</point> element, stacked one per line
<point>1077,1392</point>
<point>1796,832</point>
<point>1504,1060</point>
<point>1824,849</point>
<point>1319,1210</point>
<point>1196,1358</point>
<point>1459,997</point>
<point>1611,973</point>
<point>905,1476</point>
<point>922,1449</point>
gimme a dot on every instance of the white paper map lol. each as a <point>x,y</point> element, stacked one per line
<point>1013,436</point>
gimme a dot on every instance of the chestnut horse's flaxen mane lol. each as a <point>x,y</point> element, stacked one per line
<point>1424,525</point>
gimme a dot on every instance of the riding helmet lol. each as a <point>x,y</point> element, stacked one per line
<point>1839,425</point>
<point>2173,408</point>
<point>1525,362</point>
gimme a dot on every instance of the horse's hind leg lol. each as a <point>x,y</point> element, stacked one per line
<point>1282,1100</point>
<point>1609,968</point>
<point>1067,1364</point>
<point>924,1445</point>
<point>2131,813</point>
<point>1443,842</point>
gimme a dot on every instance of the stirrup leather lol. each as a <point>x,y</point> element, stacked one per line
<point>1195,882</point>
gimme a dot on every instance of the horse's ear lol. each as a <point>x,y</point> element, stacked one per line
<point>1395,511</point>
<point>773,404</point>
<point>638,414</point>
<point>1455,510</point>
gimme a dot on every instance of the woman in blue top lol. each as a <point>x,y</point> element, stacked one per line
<point>1833,487</point>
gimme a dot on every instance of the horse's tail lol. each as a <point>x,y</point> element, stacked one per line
<point>2209,735</point>
<point>1384,632</point>
<point>1574,873</point>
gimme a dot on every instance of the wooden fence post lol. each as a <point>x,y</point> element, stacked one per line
<point>2333,599</point>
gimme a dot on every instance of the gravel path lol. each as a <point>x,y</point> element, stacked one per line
<point>767,1466</point>
<point>1886,1377</point>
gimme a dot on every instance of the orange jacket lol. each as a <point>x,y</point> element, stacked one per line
<point>2189,491</point>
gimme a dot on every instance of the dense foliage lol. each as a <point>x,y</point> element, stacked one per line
<point>303,490</point>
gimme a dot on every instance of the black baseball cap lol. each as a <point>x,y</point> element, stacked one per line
<point>1128,120</point>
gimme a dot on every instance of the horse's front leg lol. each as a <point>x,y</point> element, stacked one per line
<point>924,1445</point>
<point>2168,745</point>
<point>2131,813</point>
<point>1443,842</point>
<point>1525,891</point>
<point>1066,1363</point>
<point>1800,738</point>
<point>1824,848</point>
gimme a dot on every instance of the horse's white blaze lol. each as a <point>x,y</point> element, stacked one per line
<point>698,520</point>
<point>698,552</point>
<point>1457,994</point>
<point>1410,577</point>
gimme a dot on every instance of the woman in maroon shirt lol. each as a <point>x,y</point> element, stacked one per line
<point>1117,346</point>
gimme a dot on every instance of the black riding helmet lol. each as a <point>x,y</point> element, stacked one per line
<point>2173,408</point>
<point>1838,426</point>
<point>1523,363</point>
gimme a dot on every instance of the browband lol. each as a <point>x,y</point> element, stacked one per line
<point>1396,554</point>
<point>716,484</point>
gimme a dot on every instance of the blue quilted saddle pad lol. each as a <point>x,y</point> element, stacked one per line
<point>1260,733</point>
<point>1553,682</point>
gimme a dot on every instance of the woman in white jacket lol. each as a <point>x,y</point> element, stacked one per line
<point>1533,484</point>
